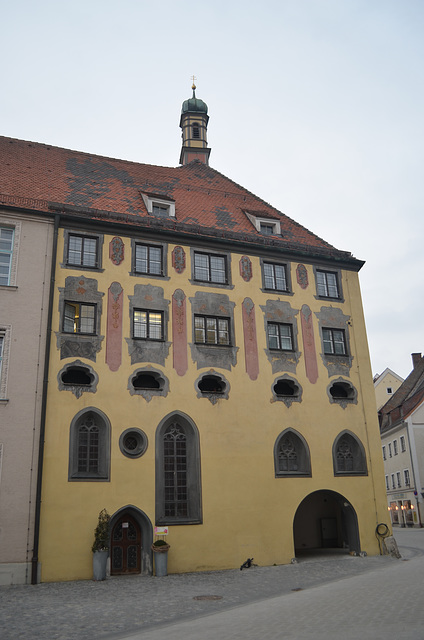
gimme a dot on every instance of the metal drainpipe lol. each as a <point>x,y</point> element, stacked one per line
<point>34,570</point>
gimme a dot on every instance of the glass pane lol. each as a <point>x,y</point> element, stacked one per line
<point>273,337</point>
<point>74,250</point>
<point>199,330</point>
<point>280,277</point>
<point>223,332</point>
<point>141,259</point>
<point>140,324</point>
<point>155,326</point>
<point>201,267</point>
<point>69,318</point>
<point>327,340</point>
<point>218,269</point>
<point>5,261</point>
<point>269,276</point>
<point>339,345</point>
<point>332,285</point>
<point>155,260</point>
<point>87,319</point>
<point>286,339</point>
<point>321,284</point>
<point>211,337</point>
<point>90,252</point>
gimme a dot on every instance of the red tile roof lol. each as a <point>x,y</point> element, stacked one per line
<point>46,178</point>
<point>406,399</point>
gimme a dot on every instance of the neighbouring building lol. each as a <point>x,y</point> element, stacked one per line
<point>402,439</point>
<point>385,385</point>
<point>26,241</point>
<point>208,372</point>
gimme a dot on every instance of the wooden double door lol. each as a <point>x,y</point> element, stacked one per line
<point>125,548</point>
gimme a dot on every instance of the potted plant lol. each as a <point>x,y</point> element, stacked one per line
<point>160,550</point>
<point>100,546</point>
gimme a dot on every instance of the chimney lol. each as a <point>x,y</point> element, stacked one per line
<point>416,359</point>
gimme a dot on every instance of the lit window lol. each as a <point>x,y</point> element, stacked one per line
<point>82,251</point>
<point>334,342</point>
<point>280,336</point>
<point>211,330</point>
<point>148,259</point>
<point>6,252</point>
<point>148,325</point>
<point>210,268</point>
<point>79,318</point>
<point>327,284</point>
<point>275,276</point>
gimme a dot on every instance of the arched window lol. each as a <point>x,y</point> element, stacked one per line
<point>349,455</point>
<point>291,455</point>
<point>89,447</point>
<point>178,488</point>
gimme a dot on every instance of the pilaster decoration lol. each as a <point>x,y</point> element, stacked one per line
<point>178,259</point>
<point>179,331</point>
<point>302,276</point>
<point>245,268</point>
<point>311,364</point>
<point>114,326</point>
<point>116,250</point>
<point>250,341</point>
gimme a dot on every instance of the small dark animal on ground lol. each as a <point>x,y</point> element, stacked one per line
<point>247,564</point>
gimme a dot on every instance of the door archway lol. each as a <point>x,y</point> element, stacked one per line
<point>131,536</point>
<point>325,520</point>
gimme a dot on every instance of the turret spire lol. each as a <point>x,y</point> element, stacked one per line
<point>194,124</point>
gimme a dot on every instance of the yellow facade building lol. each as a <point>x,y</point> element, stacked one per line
<point>209,372</point>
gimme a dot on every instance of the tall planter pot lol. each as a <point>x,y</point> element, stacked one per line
<point>99,565</point>
<point>161,560</point>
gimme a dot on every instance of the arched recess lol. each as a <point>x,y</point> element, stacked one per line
<point>89,446</point>
<point>291,455</point>
<point>178,480</point>
<point>145,526</point>
<point>325,520</point>
<point>349,457</point>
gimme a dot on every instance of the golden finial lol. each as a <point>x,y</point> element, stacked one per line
<point>193,86</point>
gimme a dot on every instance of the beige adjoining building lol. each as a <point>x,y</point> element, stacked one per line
<point>402,439</point>
<point>385,385</point>
<point>209,377</point>
<point>26,241</point>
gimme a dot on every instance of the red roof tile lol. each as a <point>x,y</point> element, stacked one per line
<point>38,176</point>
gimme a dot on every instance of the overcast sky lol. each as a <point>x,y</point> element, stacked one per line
<point>315,105</point>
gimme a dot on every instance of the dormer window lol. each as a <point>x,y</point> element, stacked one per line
<point>264,225</point>
<point>267,229</point>
<point>157,205</point>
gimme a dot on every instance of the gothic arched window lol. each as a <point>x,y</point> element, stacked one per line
<point>291,455</point>
<point>89,450</point>
<point>178,488</point>
<point>349,455</point>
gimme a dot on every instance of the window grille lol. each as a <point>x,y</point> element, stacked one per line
<point>327,284</point>
<point>175,466</point>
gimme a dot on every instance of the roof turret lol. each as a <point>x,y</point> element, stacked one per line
<point>193,104</point>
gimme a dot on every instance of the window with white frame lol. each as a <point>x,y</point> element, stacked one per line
<point>398,480</point>
<point>79,318</point>
<point>159,205</point>
<point>406,477</point>
<point>387,483</point>
<point>393,481</point>
<point>83,251</point>
<point>390,449</point>
<point>148,259</point>
<point>148,325</point>
<point>265,226</point>
<point>327,284</point>
<point>212,330</point>
<point>395,447</point>
<point>402,444</point>
<point>6,254</point>
<point>209,267</point>
<point>275,276</point>
<point>384,452</point>
<point>280,336</point>
<point>334,342</point>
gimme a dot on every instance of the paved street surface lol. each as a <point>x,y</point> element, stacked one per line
<point>320,597</point>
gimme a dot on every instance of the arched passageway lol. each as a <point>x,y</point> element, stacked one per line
<point>325,520</point>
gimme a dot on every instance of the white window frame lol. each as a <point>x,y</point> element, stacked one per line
<point>17,227</point>
<point>398,479</point>
<point>395,447</point>
<point>5,334</point>
<point>390,449</point>
<point>384,451</point>
<point>393,480</point>
<point>257,221</point>
<point>387,483</point>
<point>407,477</point>
<point>402,444</point>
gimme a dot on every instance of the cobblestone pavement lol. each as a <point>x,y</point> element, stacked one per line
<point>334,590</point>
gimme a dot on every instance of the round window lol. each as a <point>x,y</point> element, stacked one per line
<point>133,443</point>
